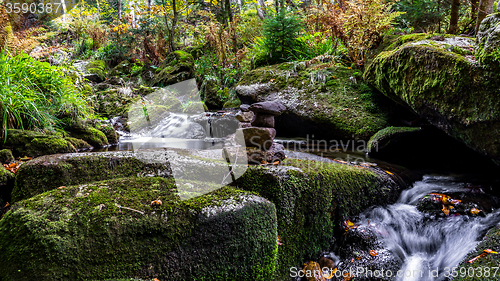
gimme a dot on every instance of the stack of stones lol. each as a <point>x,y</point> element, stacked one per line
<point>259,133</point>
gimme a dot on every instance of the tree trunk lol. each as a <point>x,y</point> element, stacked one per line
<point>473,9</point>
<point>261,9</point>
<point>171,39</point>
<point>455,7</point>
<point>64,10</point>
<point>119,9</point>
<point>485,8</point>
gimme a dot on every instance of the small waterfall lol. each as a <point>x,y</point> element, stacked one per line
<point>428,247</point>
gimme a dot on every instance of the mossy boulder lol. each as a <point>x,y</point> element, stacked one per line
<point>211,93</point>
<point>488,41</point>
<point>115,101</point>
<point>232,103</point>
<point>107,129</point>
<point>312,200</point>
<point>49,172</point>
<point>124,68</point>
<point>6,156</point>
<point>177,67</point>
<point>91,135</point>
<point>324,100</point>
<point>451,91</point>
<point>31,143</point>
<point>96,71</point>
<point>110,230</point>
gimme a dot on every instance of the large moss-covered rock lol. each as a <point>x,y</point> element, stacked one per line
<point>312,200</point>
<point>126,68</point>
<point>49,172</point>
<point>87,133</point>
<point>211,93</point>
<point>31,143</point>
<point>115,101</point>
<point>322,100</point>
<point>450,90</point>
<point>488,39</point>
<point>177,66</point>
<point>110,230</point>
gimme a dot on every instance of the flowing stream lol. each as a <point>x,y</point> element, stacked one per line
<point>429,246</point>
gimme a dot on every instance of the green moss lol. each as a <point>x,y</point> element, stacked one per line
<point>87,133</point>
<point>488,47</point>
<point>30,143</point>
<point>178,66</point>
<point>49,146</point>
<point>78,143</point>
<point>6,178</point>
<point>97,67</point>
<point>108,131</point>
<point>312,199</point>
<point>234,103</point>
<point>6,156</point>
<point>385,134</point>
<point>124,68</point>
<point>81,233</point>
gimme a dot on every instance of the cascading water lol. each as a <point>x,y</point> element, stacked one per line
<point>427,246</point>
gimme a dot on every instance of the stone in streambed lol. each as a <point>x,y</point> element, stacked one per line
<point>268,107</point>
<point>244,116</point>
<point>257,156</point>
<point>256,137</point>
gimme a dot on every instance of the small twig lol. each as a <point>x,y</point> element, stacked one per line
<point>122,207</point>
<point>229,163</point>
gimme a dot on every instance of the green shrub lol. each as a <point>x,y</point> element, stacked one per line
<point>33,94</point>
<point>280,37</point>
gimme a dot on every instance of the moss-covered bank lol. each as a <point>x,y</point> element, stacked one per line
<point>111,230</point>
<point>448,88</point>
<point>30,143</point>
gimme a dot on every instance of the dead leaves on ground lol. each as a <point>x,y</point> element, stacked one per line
<point>14,166</point>
<point>483,254</point>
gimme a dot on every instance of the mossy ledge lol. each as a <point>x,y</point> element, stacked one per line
<point>81,233</point>
<point>312,200</point>
<point>327,100</point>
